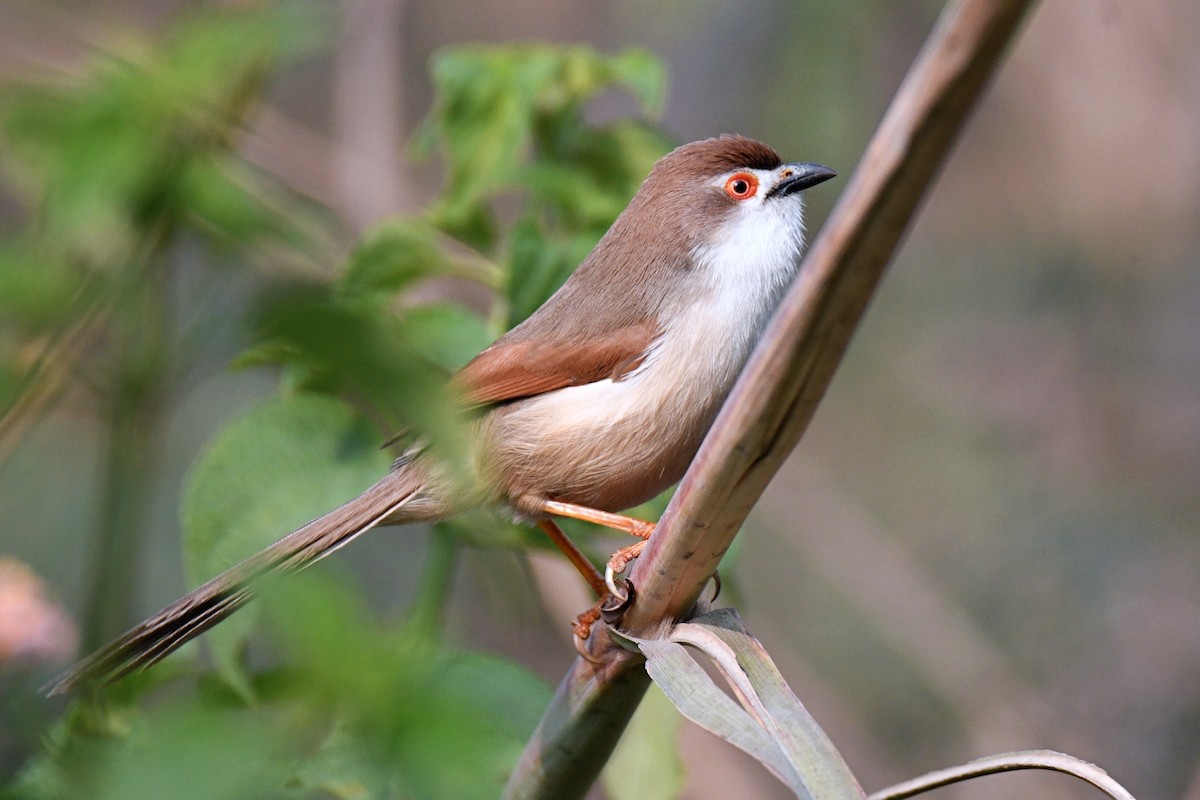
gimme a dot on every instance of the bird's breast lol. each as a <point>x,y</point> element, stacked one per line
<point>615,444</point>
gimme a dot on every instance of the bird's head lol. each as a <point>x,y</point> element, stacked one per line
<point>715,187</point>
<point>721,215</point>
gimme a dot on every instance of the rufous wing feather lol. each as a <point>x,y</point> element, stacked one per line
<point>510,370</point>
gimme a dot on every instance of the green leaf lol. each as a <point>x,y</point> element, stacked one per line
<point>416,713</point>
<point>339,768</point>
<point>193,755</point>
<point>269,472</point>
<point>575,192</point>
<point>620,155</point>
<point>219,195</point>
<point>37,289</point>
<point>357,348</point>
<point>646,763</point>
<point>176,750</point>
<point>135,138</point>
<point>83,156</point>
<point>448,334</point>
<point>540,262</point>
<point>392,256</point>
<point>500,108</point>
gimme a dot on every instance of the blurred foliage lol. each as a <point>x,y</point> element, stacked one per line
<point>133,161</point>
<point>367,710</point>
<point>513,119</point>
<point>113,165</point>
<point>120,168</point>
<point>274,469</point>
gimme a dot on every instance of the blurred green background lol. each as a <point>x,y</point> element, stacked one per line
<point>987,541</point>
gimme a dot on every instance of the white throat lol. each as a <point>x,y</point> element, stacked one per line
<point>748,265</point>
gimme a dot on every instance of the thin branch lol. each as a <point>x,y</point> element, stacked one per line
<point>779,390</point>
<point>1007,762</point>
<point>46,376</point>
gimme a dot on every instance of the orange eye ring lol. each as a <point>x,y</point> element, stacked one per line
<point>741,186</point>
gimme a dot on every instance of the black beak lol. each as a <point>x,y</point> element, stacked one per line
<point>800,176</point>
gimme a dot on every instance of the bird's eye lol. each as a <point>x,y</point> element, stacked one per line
<point>741,186</point>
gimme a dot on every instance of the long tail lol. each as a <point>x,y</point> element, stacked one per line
<point>400,497</point>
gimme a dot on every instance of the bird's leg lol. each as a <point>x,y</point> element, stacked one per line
<point>634,527</point>
<point>621,558</point>
<point>605,586</point>
<point>582,627</point>
<point>577,558</point>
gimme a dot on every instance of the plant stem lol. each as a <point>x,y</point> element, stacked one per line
<point>134,425</point>
<point>429,609</point>
<point>577,734</point>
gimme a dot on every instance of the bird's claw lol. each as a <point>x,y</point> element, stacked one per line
<point>582,631</point>
<point>609,608</point>
<point>617,564</point>
<point>716,581</point>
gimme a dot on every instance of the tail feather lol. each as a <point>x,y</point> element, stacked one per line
<point>398,498</point>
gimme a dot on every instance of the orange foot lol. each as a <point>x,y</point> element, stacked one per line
<point>617,564</point>
<point>582,631</point>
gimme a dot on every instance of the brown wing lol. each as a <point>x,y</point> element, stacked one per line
<point>512,369</point>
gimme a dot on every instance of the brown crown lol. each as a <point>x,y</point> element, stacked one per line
<point>721,154</point>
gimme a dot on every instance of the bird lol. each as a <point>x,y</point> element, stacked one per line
<point>596,403</point>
